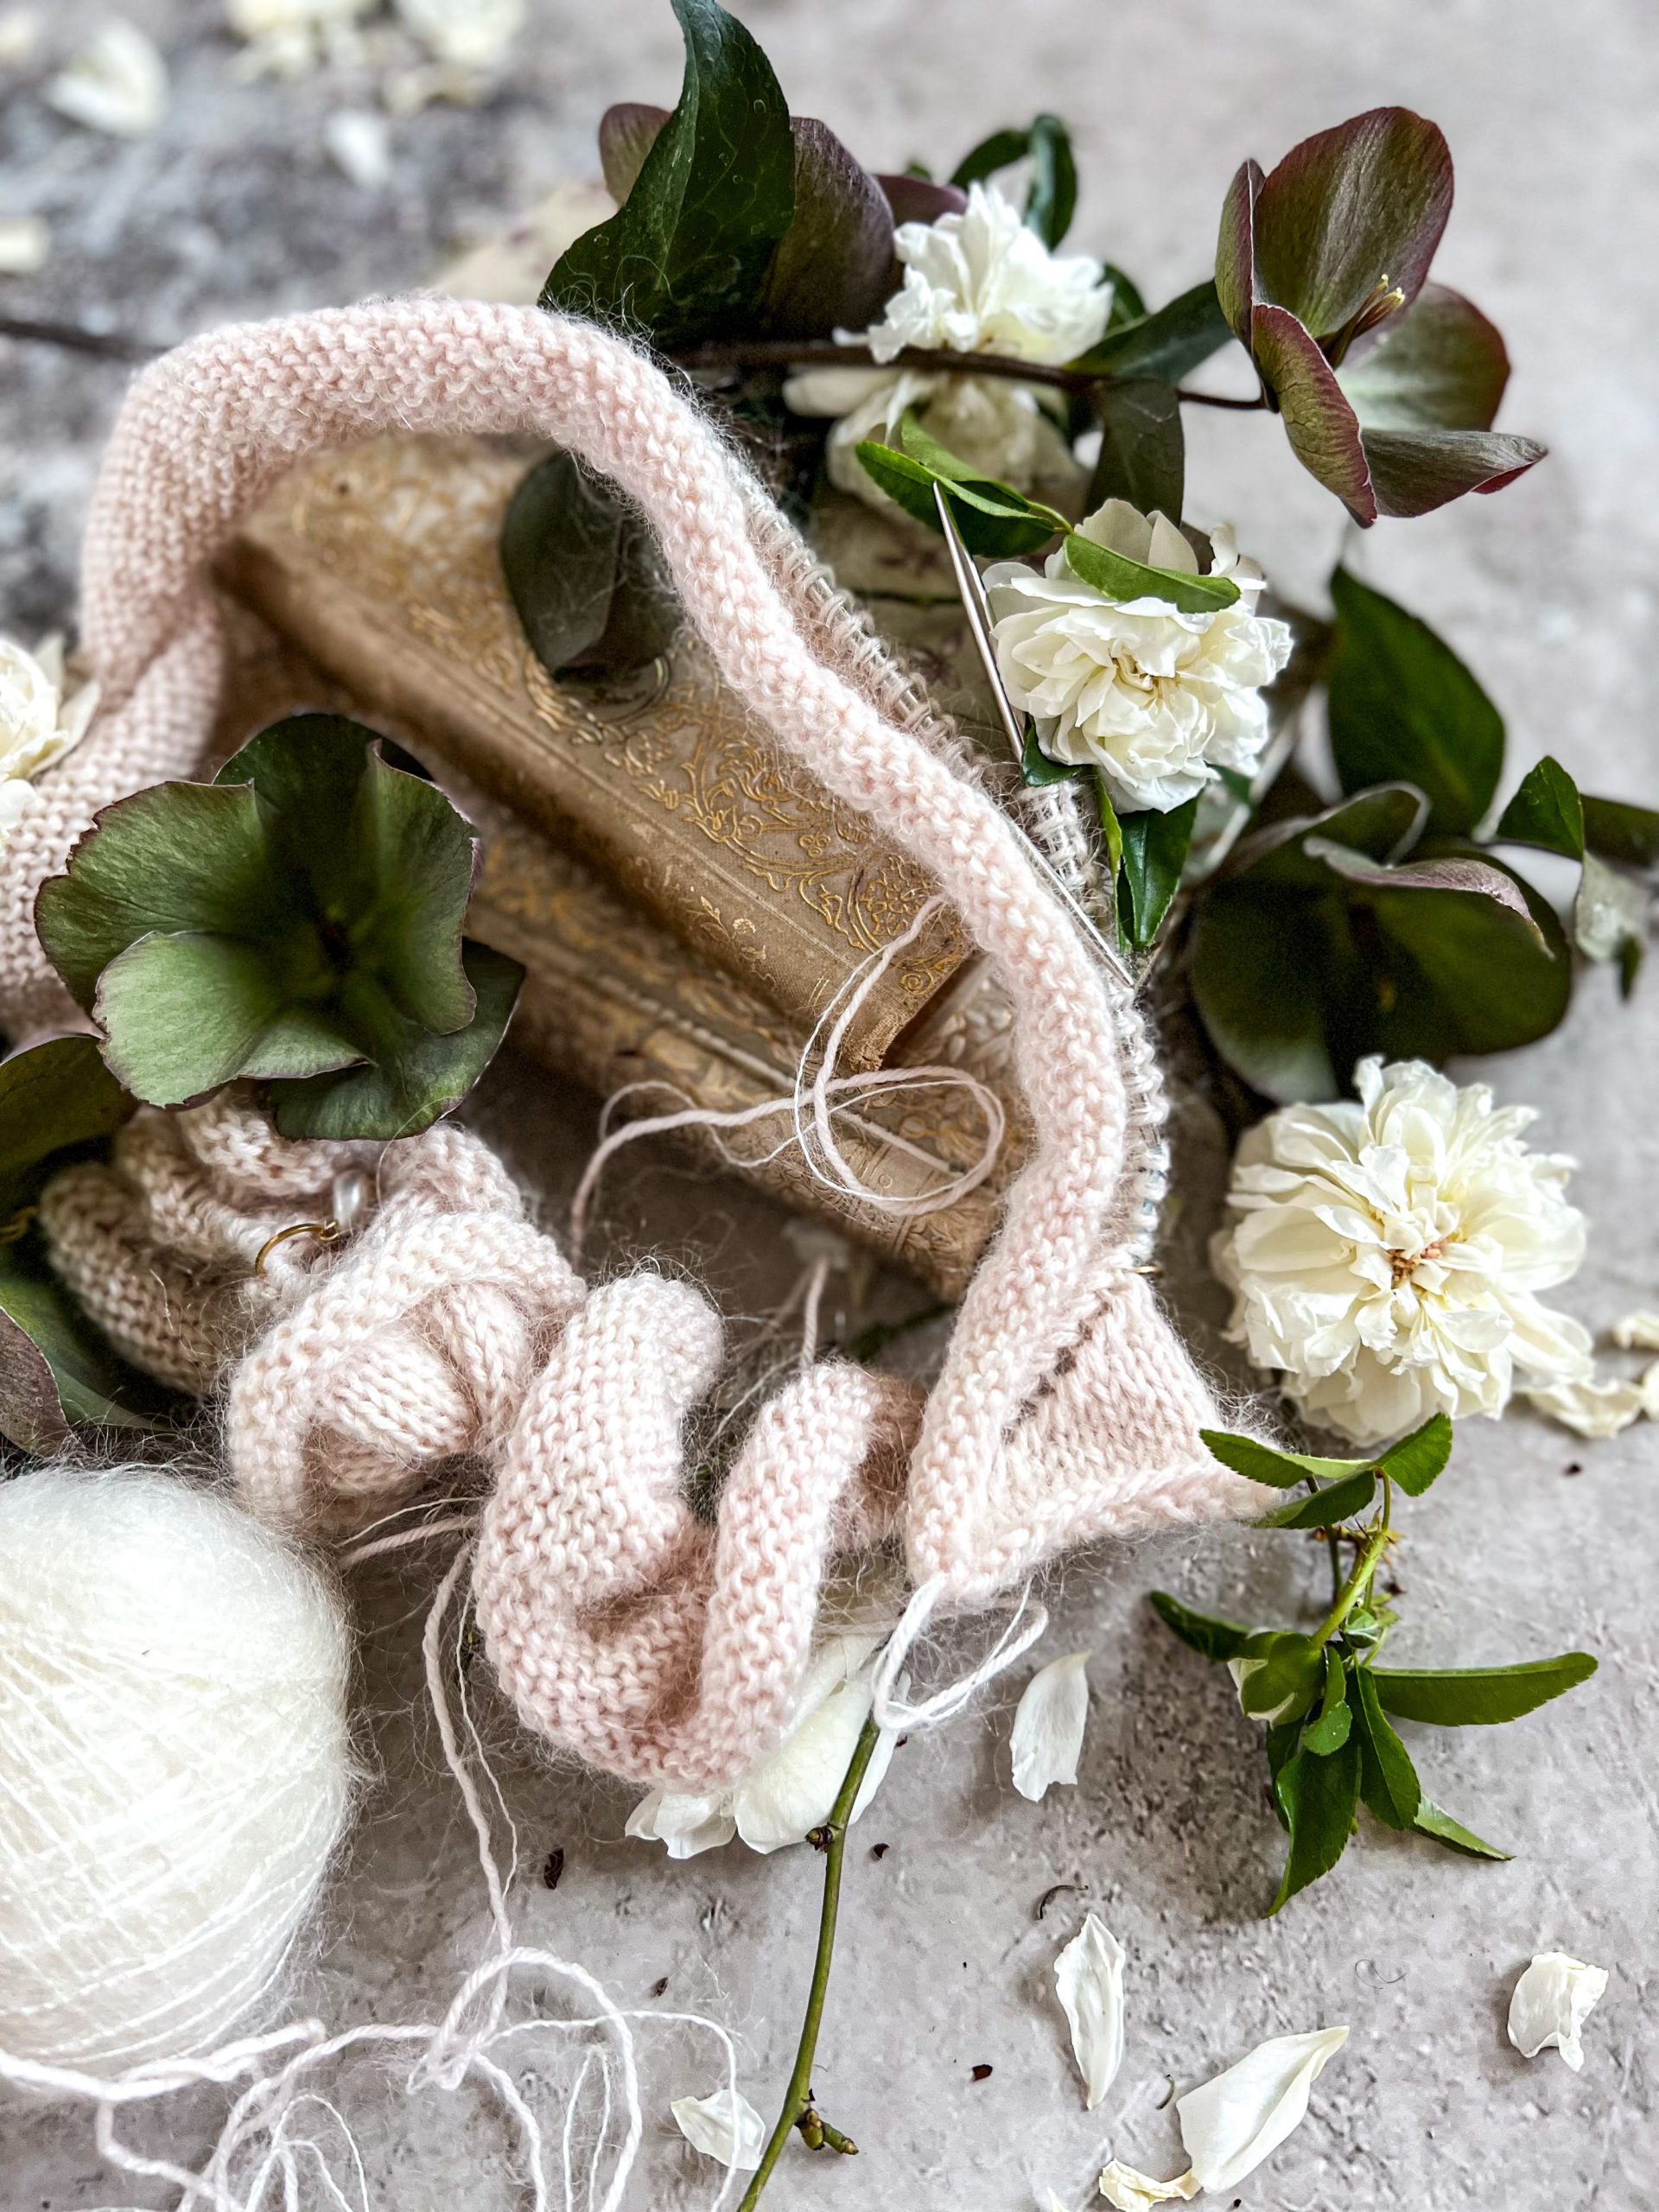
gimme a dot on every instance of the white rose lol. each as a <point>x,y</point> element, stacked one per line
<point>38,724</point>
<point>1386,1253</point>
<point>979,282</point>
<point>1155,699</point>
<point>791,1792</point>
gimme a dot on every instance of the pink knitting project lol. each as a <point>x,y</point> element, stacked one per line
<point>1065,1410</point>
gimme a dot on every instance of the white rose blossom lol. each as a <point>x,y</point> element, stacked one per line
<point>42,718</point>
<point>1156,700</point>
<point>791,1792</point>
<point>976,282</point>
<point>1386,1253</point>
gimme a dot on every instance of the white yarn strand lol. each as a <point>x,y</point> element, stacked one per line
<point>888,1700</point>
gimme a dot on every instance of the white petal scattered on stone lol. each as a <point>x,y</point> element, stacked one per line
<point>116,84</point>
<point>725,2125</point>
<point>1131,2190</point>
<point>1234,2122</point>
<point>472,34</point>
<point>24,243</point>
<point>1594,1407</point>
<point>1638,1332</point>
<point>360,144</point>
<point>1088,1980</point>
<point>1649,1386</point>
<point>20,32</point>
<point>1552,2001</point>
<point>1048,1727</point>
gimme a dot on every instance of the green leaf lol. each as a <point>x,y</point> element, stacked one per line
<point>58,1102</point>
<point>1450,872</point>
<point>1388,1780</point>
<point>1318,1796</point>
<point>1440,365</point>
<point>1053,200</point>
<point>1419,1458</point>
<point>1111,827</point>
<point>1142,448</point>
<point>1212,1638</point>
<point>1164,346</point>
<point>299,922</point>
<point>1337,1502</point>
<point>994,520</point>
<point>1036,768</point>
<point>1404,706</point>
<point>1128,306</point>
<point>1479,1697</point>
<point>687,255</point>
<point>1331,1730</point>
<point>1297,970</point>
<point>1264,1463</point>
<point>1620,831</point>
<point>1430,1820</point>
<point>1349,211</point>
<point>1117,577</point>
<point>998,151</point>
<point>583,572</point>
<point>1546,811</point>
<point>1286,1678</point>
<point>1154,850</point>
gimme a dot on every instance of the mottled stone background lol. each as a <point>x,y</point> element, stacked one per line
<point>1535,1544</point>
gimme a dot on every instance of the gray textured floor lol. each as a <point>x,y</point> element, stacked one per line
<point>1550,590</point>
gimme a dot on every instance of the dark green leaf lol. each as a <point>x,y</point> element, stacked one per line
<point>1037,769</point>
<point>1264,1463</point>
<point>1280,1743</point>
<point>1430,1820</point>
<point>686,257</point>
<point>1213,1639</point>
<point>1479,1697</point>
<point>833,268</point>
<point>1546,811</point>
<point>57,1099</point>
<point>1619,831</point>
<point>1118,577</point>
<point>584,573</point>
<point>1450,872</point>
<point>1318,1796</point>
<point>1154,850</point>
<point>1285,1678</point>
<point>1128,306</point>
<point>1337,1502</point>
<point>1110,829</point>
<point>1439,365</point>
<point>1403,706</point>
<point>1164,346</point>
<point>994,520</point>
<point>1000,151</point>
<point>1419,1458</point>
<point>1349,212</point>
<point>1142,448</point>
<point>1388,1780</point>
<point>1334,1725</point>
<point>1053,200</point>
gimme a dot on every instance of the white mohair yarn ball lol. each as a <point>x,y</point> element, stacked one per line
<point>175,1763</point>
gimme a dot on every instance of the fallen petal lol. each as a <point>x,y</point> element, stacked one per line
<point>1133,2192</point>
<point>1088,1978</point>
<point>1592,1409</point>
<point>1638,1332</point>
<point>1048,1727</point>
<point>686,1825</point>
<point>1232,2123</point>
<point>117,83</point>
<point>1552,2001</point>
<point>725,2125</point>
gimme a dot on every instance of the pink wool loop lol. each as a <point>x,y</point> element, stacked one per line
<point>1065,1408</point>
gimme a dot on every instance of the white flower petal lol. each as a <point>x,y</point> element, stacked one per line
<point>1232,2123</point>
<point>1590,1407</point>
<point>117,83</point>
<point>686,1825</point>
<point>725,2125</point>
<point>1638,1332</point>
<point>1088,1980</point>
<point>784,1797</point>
<point>25,242</point>
<point>1048,1727</point>
<point>1130,2191</point>
<point>360,144</point>
<point>471,33</point>
<point>1552,2001</point>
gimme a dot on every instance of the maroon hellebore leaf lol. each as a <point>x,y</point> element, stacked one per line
<point>918,199</point>
<point>1439,364</point>
<point>834,265</point>
<point>627,133</point>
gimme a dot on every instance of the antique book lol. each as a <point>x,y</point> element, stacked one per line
<point>616,1001</point>
<point>382,564</point>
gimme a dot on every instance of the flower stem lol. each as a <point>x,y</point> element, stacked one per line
<point>797,2111</point>
<point>1354,1587</point>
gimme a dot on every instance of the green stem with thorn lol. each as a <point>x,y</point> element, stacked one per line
<point>799,2110</point>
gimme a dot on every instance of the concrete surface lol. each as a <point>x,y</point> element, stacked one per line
<point>232,208</point>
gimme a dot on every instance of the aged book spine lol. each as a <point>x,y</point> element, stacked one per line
<point>614,1000</point>
<point>382,564</point>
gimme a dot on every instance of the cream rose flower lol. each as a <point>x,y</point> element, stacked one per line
<point>789,1792</point>
<point>977,281</point>
<point>1386,1253</point>
<point>1155,699</point>
<point>39,721</point>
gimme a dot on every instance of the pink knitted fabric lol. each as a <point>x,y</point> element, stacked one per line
<point>1065,1408</point>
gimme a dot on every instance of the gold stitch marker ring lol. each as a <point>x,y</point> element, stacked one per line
<point>326,1232</point>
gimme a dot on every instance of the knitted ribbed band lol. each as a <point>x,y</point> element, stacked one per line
<point>1065,1408</point>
